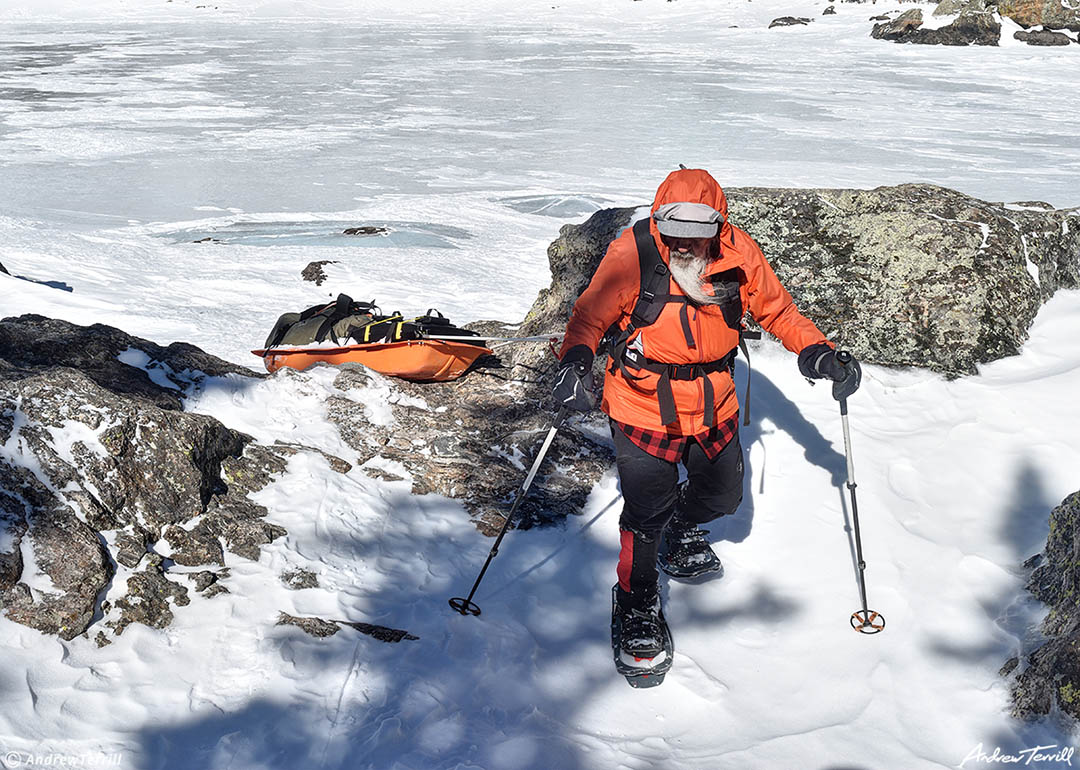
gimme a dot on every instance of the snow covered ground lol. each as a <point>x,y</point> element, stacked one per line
<point>473,131</point>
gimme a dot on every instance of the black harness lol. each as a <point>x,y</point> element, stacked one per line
<point>653,295</point>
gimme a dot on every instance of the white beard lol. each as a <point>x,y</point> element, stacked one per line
<point>687,272</point>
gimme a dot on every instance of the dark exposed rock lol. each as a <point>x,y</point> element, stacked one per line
<point>208,582</point>
<point>1052,674</point>
<point>288,450</point>
<point>131,546</point>
<point>898,28</point>
<point>3,269</point>
<point>366,230</point>
<point>883,17</point>
<point>316,627</point>
<point>299,579</point>
<point>203,579</point>
<point>473,438</point>
<point>314,271</point>
<point>382,633</point>
<point>207,239</point>
<point>830,11</point>
<point>71,564</point>
<point>1043,37</point>
<point>149,599</point>
<point>972,26</point>
<point>954,7</point>
<point>789,21</point>
<point>1051,14</point>
<point>113,451</point>
<point>195,547</point>
<point>32,342</point>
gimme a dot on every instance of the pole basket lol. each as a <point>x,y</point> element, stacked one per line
<point>464,606</point>
<point>867,622</point>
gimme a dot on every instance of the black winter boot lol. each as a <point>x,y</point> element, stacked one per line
<point>684,552</point>
<point>640,628</point>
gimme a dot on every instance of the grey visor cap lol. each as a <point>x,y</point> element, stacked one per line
<point>688,220</point>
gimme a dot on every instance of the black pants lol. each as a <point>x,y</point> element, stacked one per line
<point>650,489</point>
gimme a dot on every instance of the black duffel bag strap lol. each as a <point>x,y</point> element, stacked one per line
<point>343,308</point>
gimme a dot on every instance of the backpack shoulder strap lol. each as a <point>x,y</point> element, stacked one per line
<point>655,278</point>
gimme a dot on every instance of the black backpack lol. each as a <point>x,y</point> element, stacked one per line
<point>345,321</point>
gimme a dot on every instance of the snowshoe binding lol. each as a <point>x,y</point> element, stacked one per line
<point>685,553</point>
<point>641,642</point>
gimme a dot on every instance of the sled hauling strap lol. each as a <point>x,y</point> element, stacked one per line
<point>669,372</point>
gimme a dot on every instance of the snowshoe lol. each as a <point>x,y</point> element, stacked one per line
<point>685,553</point>
<point>641,643</point>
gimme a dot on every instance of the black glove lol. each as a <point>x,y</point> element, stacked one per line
<point>574,381</point>
<point>821,361</point>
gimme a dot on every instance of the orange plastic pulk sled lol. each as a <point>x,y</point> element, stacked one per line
<point>422,360</point>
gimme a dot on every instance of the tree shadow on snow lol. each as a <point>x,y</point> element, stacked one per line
<point>521,686</point>
<point>1022,523</point>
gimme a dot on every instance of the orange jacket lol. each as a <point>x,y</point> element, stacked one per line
<point>613,291</point>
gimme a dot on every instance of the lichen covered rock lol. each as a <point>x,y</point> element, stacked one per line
<point>97,451</point>
<point>1052,672</point>
<point>1051,14</point>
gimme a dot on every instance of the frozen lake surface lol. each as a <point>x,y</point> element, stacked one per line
<point>153,121</point>
<point>481,139</point>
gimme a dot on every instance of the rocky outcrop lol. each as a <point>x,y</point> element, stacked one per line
<point>899,28</point>
<point>494,419</point>
<point>3,269</point>
<point>789,21</point>
<point>972,26</point>
<point>320,628</point>
<point>1050,676</point>
<point>1043,37</point>
<point>299,579</point>
<point>913,275</point>
<point>96,449</point>
<point>953,7</point>
<point>314,271</point>
<point>1050,14</point>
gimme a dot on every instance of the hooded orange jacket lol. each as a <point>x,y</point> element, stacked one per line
<point>613,291</point>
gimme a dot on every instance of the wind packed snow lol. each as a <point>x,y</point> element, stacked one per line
<point>470,133</point>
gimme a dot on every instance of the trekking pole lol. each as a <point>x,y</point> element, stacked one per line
<point>865,621</point>
<point>466,606</point>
